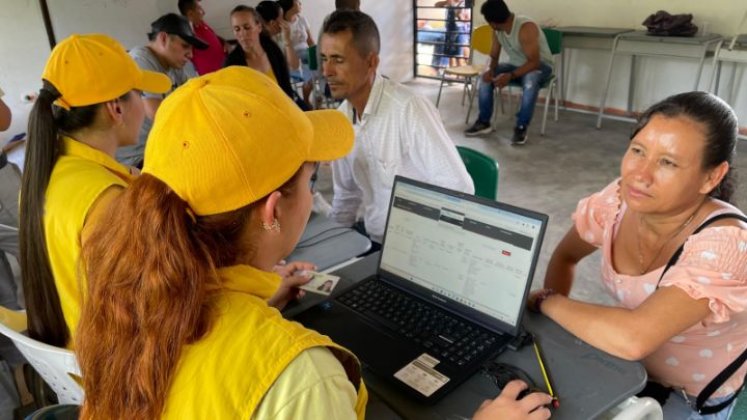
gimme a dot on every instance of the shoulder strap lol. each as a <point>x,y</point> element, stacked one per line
<point>733,366</point>
<point>716,384</point>
<point>676,256</point>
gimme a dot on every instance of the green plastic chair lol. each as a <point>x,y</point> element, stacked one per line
<point>555,42</point>
<point>483,170</point>
<point>313,64</point>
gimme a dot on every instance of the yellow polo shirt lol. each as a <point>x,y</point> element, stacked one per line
<point>79,177</point>
<point>255,364</point>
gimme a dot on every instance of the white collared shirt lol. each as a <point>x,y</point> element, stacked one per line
<point>400,133</point>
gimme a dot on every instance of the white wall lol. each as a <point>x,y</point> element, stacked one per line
<point>24,46</point>
<point>656,78</point>
<point>24,49</point>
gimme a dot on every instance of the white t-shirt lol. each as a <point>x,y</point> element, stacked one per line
<point>401,132</point>
<point>299,33</point>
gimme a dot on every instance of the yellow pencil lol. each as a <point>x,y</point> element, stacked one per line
<point>545,375</point>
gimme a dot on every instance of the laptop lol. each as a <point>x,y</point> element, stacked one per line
<point>449,293</point>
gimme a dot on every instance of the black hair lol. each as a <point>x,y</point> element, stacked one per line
<point>365,33</point>
<point>269,10</point>
<point>348,4</point>
<point>495,11</point>
<point>286,4</point>
<point>186,5</point>
<point>47,121</point>
<point>721,131</point>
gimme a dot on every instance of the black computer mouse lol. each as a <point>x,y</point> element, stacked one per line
<point>502,373</point>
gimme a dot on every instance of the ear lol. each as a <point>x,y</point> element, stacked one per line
<point>714,177</point>
<point>113,110</point>
<point>162,38</point>
<point>373,61</point>
<point>269,211</point>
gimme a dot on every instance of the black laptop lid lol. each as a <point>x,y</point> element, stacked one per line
<point>470,255</point>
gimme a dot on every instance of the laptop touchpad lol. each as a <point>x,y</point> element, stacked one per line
<point>347,329</point>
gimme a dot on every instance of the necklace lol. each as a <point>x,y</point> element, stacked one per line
<point>645,269</point>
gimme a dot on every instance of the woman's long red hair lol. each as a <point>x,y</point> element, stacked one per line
<point>151,273</point>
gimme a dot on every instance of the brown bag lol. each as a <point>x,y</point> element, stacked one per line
<point>662,23</point>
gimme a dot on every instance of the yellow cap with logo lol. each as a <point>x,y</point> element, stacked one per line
<point>229,138</point>
<point>94,68</point>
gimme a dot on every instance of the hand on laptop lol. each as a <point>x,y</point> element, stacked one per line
<point>507,407</point>
<point>294,275</point>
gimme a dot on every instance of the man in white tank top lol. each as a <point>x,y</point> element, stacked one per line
<point>529,61</point>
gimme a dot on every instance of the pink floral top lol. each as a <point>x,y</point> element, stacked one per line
<point>713,265</point>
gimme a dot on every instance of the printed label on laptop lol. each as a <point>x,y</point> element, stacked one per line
<point>420,375</point>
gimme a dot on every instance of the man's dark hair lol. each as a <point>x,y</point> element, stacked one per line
<point>361,26</point>
<point>495,11</point>
<point>186,5</point>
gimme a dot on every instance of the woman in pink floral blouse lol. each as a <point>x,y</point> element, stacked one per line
<point>688,322</point>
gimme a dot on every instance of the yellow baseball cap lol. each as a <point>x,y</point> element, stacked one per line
<point>94,68</point>
<point>229,138</point>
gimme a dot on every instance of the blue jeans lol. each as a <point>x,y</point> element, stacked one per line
<point>678,408</point>
<point>438,37</point>
<point>531,84</point>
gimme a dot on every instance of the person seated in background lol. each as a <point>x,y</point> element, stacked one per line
<point>221,234</point>
<point>529,60</point>
<point>11,293</point>
<point>275,25</point>
<point>398,132</point>
<point>88,106</point>
<point>169,51</point>
<point>257,50</point>
<point>212,57</point>
<point>300,39</point>
<point>667,259</point>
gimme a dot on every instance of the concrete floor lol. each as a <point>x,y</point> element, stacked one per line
<point>550,173</point>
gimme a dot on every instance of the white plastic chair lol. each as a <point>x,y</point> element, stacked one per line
<point>635,408</point>
<point>54,364</point>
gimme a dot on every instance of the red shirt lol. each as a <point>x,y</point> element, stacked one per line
<point>210,59</point>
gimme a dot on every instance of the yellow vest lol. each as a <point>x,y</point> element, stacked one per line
<point>226,374</point>
<point>79,176</point>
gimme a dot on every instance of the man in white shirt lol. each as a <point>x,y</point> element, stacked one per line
<point>398,132</point>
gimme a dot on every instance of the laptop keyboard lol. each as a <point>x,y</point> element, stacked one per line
<point>439,332</point>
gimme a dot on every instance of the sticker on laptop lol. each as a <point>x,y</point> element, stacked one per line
<point>321,283</point>
<point>420,375</point>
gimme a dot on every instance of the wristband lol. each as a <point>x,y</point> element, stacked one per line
<point>541,296</point>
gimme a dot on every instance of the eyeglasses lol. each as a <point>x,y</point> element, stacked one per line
<point>312,181</point>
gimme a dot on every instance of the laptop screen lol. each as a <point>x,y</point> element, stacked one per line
<point>470,254</point>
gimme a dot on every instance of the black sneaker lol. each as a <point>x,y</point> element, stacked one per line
<point>520,135</point>
<point>478,128</point>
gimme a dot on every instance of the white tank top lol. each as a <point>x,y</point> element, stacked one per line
<point>510,43</point>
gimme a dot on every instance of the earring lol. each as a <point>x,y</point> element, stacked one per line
<point>274,227</point>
